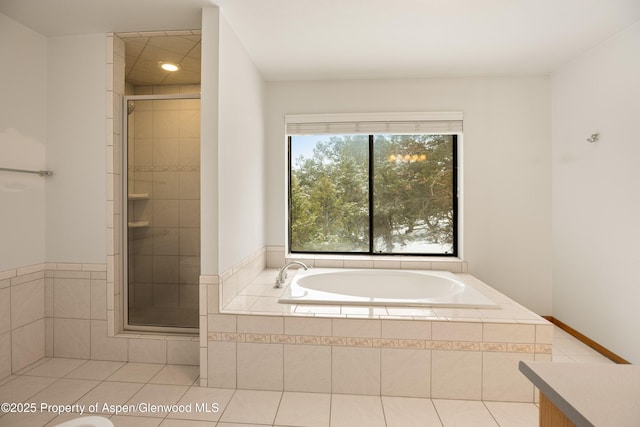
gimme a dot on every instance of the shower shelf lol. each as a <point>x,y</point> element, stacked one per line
<point>138,196</point>
<point>137,224</point>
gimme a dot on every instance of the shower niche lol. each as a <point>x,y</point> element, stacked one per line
<point>161,183</point>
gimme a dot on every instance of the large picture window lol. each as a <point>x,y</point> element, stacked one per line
<point>373,193</point>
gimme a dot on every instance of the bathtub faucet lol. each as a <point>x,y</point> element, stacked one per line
<point>282,274</point>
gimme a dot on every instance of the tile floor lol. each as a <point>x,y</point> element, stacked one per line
<point>84,383</point>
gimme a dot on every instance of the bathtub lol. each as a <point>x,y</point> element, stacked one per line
<point>378,287</point>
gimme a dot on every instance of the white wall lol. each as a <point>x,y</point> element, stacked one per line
<point>241,151</point>
<point>506,162</point>
<point>23,127</point>
<point>76,151</point>
<point>596,199</point>
<point>232,141</point>
<point>209,233</point>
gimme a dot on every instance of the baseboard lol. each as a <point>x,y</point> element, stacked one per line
<point>588,341</point>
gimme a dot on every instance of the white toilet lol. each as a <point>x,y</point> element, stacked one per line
<point>93,421</point>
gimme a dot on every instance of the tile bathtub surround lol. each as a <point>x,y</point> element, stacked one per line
<point>391,351</point>
<point>234,280</point>
<point>367,365</point>
<point>253,343</point>
<point>216,288</point>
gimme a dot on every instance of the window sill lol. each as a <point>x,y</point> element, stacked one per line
<point>453,264</point>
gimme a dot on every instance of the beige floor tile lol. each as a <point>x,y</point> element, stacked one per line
<point>207,404</point>
<point>64,391</point>
<point>249,406</point>
<point>176,375</point>
<point>240,425</point>
<point>353,411</point>
<point>571,347</point>
<point>22,388</point>
<point>463,413</point>
<point>185,423</point>
<point>407,412</point>
<point>304,409</point>
<point>136,372</point>
<point>57,367</point>
<point>127,421</point>
<point>560,358</point>
<point>95,370</point>
<point>33,365</point>
<point>7,379</point>
<point>26,420</point>
<point>111,393</point>
<point>157,394</point>
<point>593,358</point>
<point>509,414</point>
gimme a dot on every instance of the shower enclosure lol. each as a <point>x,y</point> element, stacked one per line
<point>162,216</point>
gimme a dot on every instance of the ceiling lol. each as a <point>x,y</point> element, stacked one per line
<point>145,52</point>
<point>342,39</point>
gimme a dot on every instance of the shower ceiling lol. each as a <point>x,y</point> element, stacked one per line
<point>146,51</point>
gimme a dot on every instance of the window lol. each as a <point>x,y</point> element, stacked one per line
<point>372,193</point>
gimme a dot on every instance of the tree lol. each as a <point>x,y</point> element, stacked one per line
<point>303,228</point>
<point>413,194</point>
<point>335,182</point>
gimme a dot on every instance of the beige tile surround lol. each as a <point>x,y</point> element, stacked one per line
<point>246,343</point>
<point>22,318</point>
<point>60,310</point>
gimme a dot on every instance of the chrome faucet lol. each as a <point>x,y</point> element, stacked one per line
<point>282,274</point>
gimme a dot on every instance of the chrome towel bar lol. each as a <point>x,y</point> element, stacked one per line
<point>41,173</point>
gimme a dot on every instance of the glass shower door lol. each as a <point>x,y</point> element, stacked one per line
<point>162,250</point>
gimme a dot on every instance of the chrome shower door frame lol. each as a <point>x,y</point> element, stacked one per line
<point>124,299</point>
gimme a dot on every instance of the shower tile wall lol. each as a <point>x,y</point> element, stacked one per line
<point>60,310</point>
<point>164,162</point>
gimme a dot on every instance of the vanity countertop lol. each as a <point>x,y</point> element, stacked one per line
<point>589,394</point>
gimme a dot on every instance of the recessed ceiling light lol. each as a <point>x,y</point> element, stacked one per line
<point>167,66</point>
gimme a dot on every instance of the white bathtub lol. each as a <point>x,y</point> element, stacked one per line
<point>423,288</point>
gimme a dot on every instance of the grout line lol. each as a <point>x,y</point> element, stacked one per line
<point>227,405</point>
<point>435,408</point>
<point>275,416</point>
<point>490,413</point>
<point>384,414</point>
